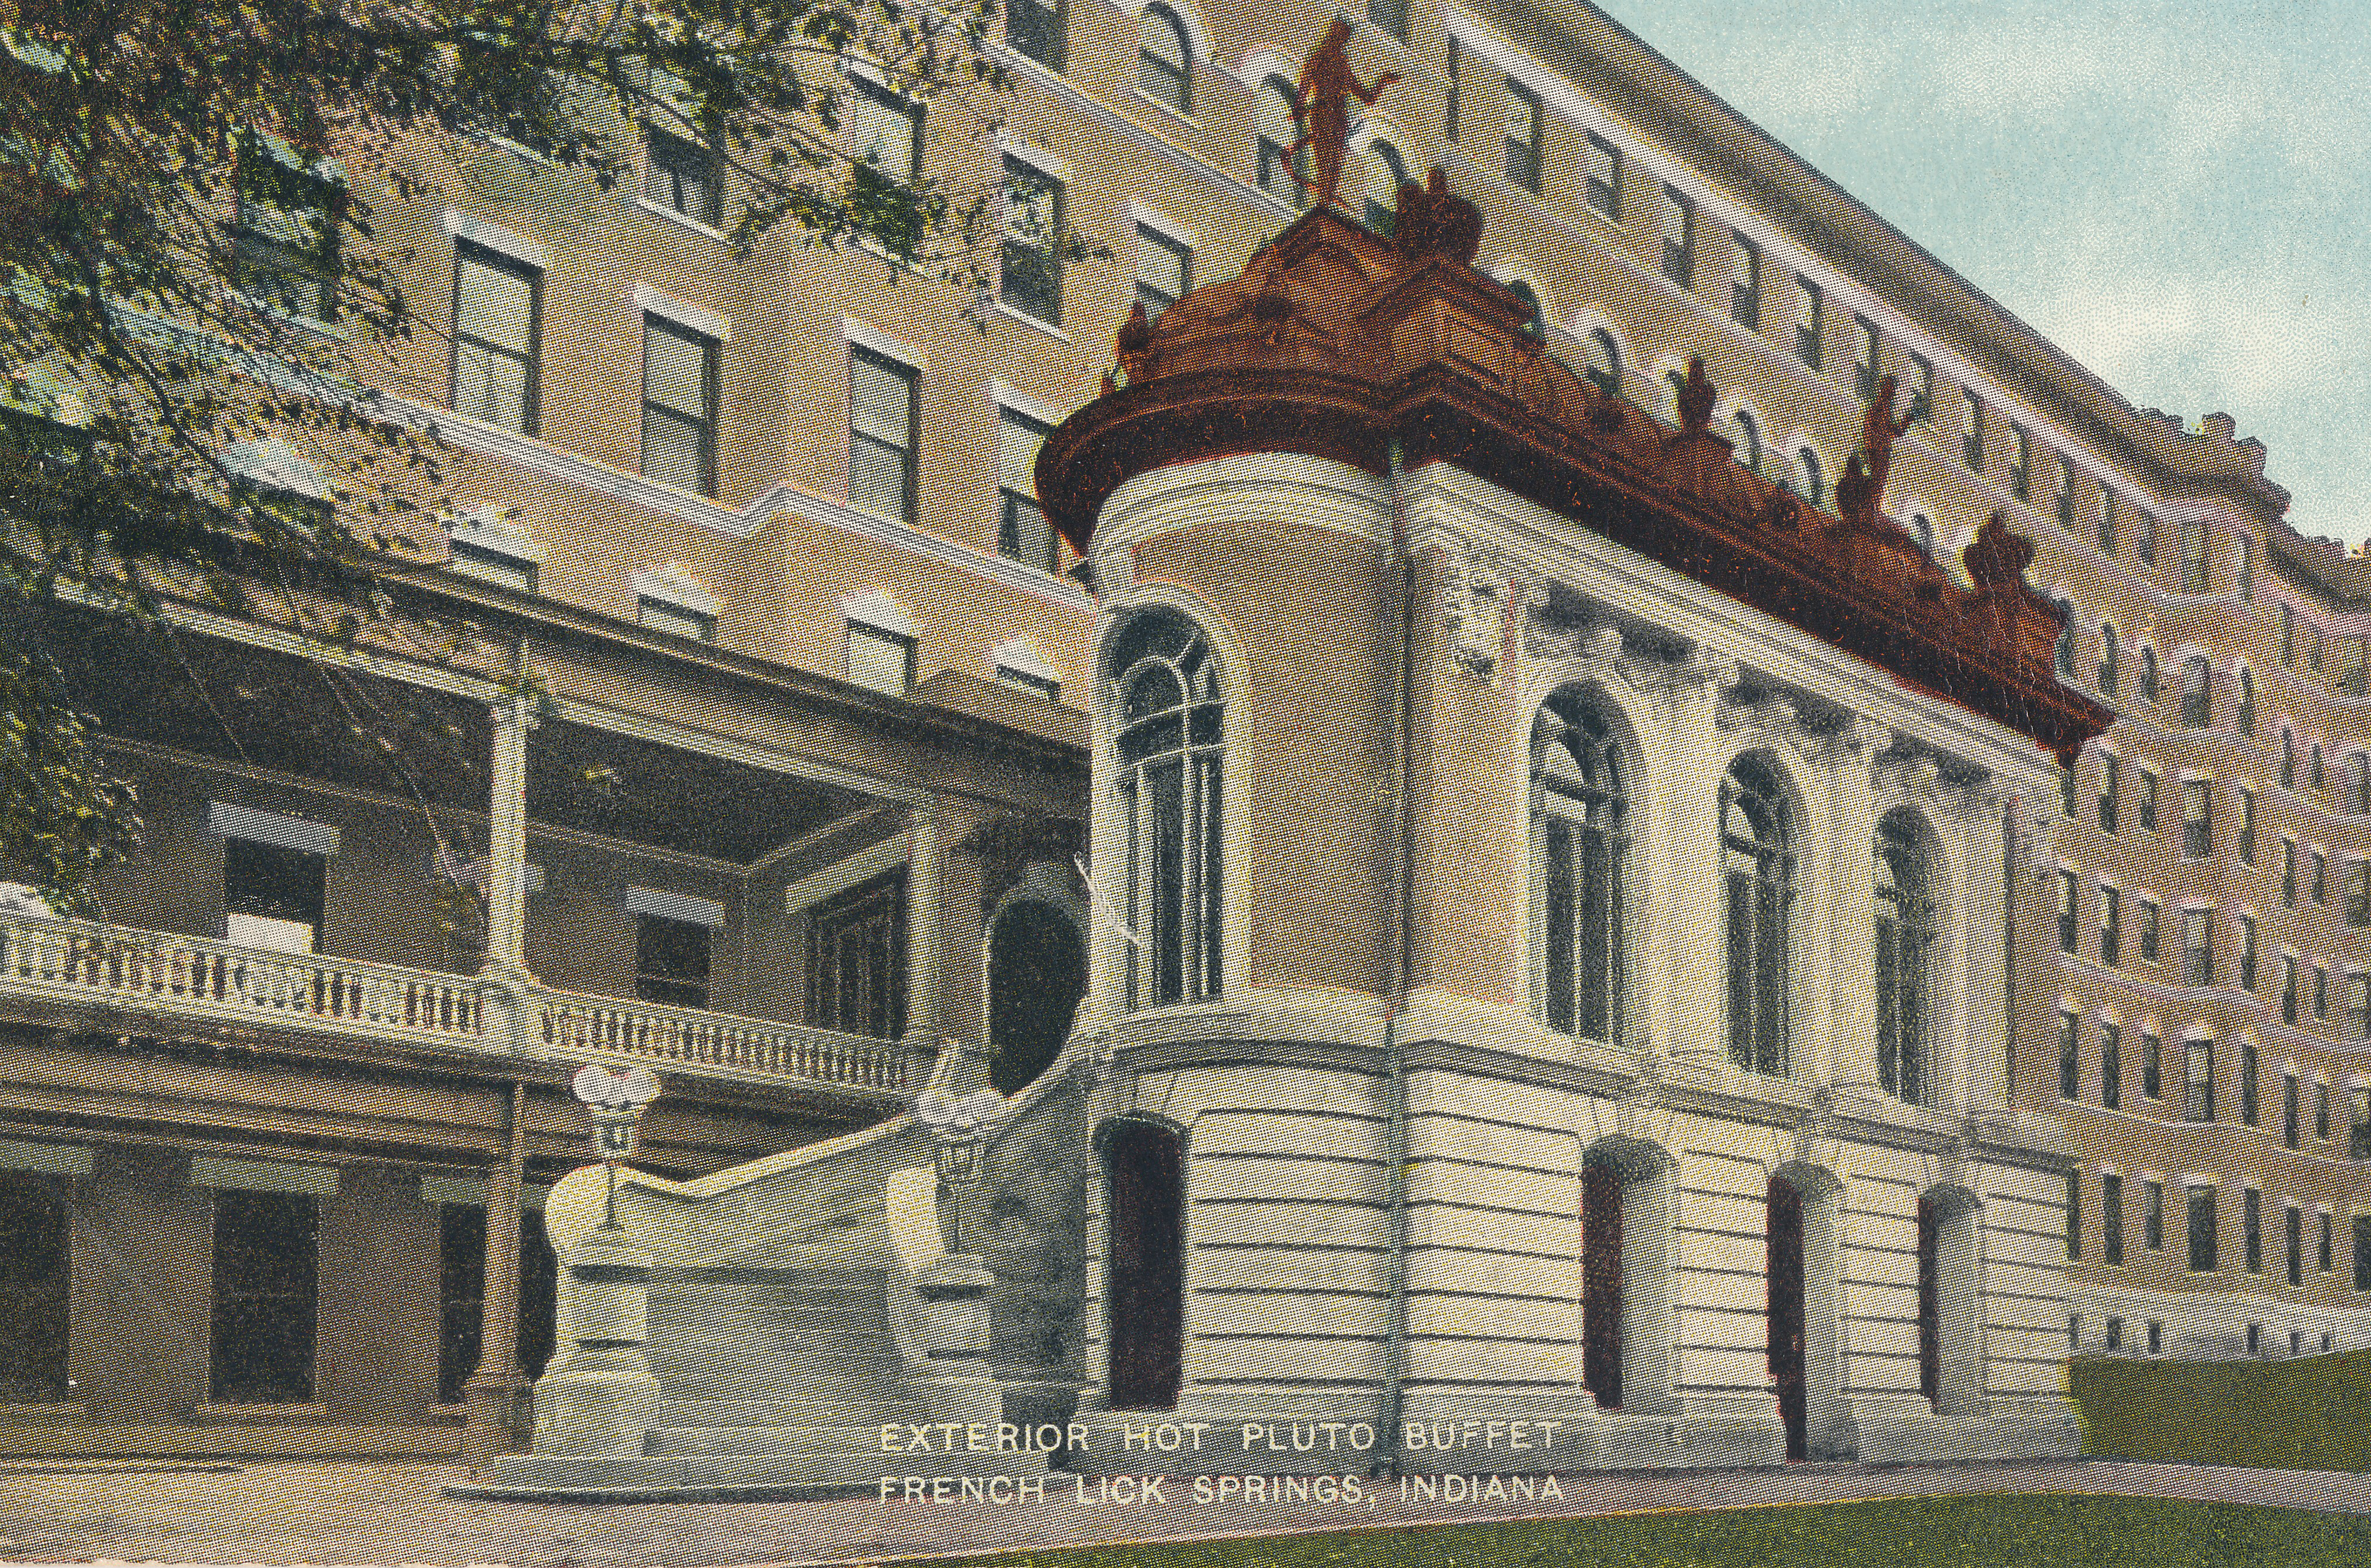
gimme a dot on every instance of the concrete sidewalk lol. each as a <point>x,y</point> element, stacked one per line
<point>327,1514</point>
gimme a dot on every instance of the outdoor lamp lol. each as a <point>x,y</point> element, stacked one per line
<point>616,1101</point>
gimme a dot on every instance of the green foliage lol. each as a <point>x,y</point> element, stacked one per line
<point>191,268</point>
<point>1997,1530</point>
<point>63,815</point>
<point>2311,1413</point>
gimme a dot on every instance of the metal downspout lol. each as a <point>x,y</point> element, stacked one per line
<point>1395,997</point>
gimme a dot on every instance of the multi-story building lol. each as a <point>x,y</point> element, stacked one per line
<point>746,717</point>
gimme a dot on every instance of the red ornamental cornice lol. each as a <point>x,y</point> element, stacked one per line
<point>1336,343</point>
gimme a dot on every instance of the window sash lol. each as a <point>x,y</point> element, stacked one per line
<point>1163,271</point>
<point>495,322</point>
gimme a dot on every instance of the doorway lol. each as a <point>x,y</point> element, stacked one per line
<point>1036,972</point>
<point>1783,1266</point>
<point>1601,1282</point>
<point>1144,1281</point>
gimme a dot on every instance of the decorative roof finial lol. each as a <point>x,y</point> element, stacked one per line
<point>1696,399</point>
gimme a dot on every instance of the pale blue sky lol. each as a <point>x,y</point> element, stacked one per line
<point>2176,194</point>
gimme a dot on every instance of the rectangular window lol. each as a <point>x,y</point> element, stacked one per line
<point>675,620</point>
<point>2247,564</point>
<point>2111,925</point>
<point>2197,829</point>
<point>266,1295</point>
<point>2145,539</point>
<point>2194,554</point>
<point>1922,388</point>
<point>2152,1067</point>
<point>680,176</point>
<point>2070,1066</point>
<point>2358,893</point>
<point>2251,1230</point>
<point>2109,537</point>
<point>2148,801</point>
<point>2065,493</point>
<point>495,310</point>
<point>2288,873</point>
<point>1448,93</point>
<point>2153,1215</point>
<point>2362,1251</point>
<point>2288,989</point>
<point>2296,1256</point>
<point>880,660</point>
<point>2288,637</point>
<point>2109,790</point>
<point>2112,1220</point>
<point>2246,1085</point>
<point>2202,1230</point>
<point>2321,991</point>
<point>1523,149</point>
<point>2074,1216</point>
<point>1868,357</point>
<point>2197,947</point>
<point>2115,1336</point>
<point>2320,866</point>
<point>488,565</point>
<point>2313,652</point>
<point>2020,473</point>
<point>2148,931</point>
<point>1034,28</point>
<point>2323,1248</point>
<point>856,959</point>
<point>2358,1006</point>
<point>2068,909</point>
<point>1807,322</point>
<point>2247,826</point>
<point>2199,1059</point>
<point>1164,271</point>
<point>271,895</point>
<point>1604,182</point>
<point>1679,239</point>
<point>885,130</point>
<point>1022,531</point>
<point>2246,952</point>
<point>1030,277</point>
<point>881,395</point>
<point>1972,438</point>
<point>2352,677</point>
<point>2321,1112</point>
<point>2112,1067</point>
<point>2358,1123</point>
<point>670,962</point>
<point>679,405</point>
<point>2289,1132</point>
<point>284,245</point>
<point>1745,283</point>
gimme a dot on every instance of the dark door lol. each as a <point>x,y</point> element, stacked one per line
<point>1601,1283</point>
<point>1930,1304</point>
<point>1144,1283</point>
<point>33,1274</point>
<point>1785,1264</point>
<point>1036,972</point>
<point>266,1263</point>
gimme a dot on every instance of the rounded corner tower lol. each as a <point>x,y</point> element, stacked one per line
<point>1547,903</point>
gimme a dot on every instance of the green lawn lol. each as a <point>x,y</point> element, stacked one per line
<point>2012,1531</point>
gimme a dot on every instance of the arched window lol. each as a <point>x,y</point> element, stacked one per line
<point>1278,163</point>
<point>1757,867</point>
<point>1163,59</point>
<point>2107,658</point>
<point>2246,718</point>
<point>2148,674</point>
<point>1385,173</point>
<point>1749,442</point>
<point>1905,933</point>
<point>2288,759</point>
<point>1806,476</point>
<point>1604,363</point>
<point>1579,841</point>
<point>1535,325</point>
<point>1171,754</point>
<point>2197,692</point>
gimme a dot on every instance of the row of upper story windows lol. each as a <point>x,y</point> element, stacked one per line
<point>2202,1243</point>
<point>2198,1100</point>
<point>2198,820</point>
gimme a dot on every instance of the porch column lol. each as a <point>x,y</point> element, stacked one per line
<point>505,868</point>
<point>926,855</point>
<point>490,1399</point>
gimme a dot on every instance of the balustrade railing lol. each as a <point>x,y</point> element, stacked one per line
<point>155,970</point>
<point>80,963</point>
<point>575,1024</point>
